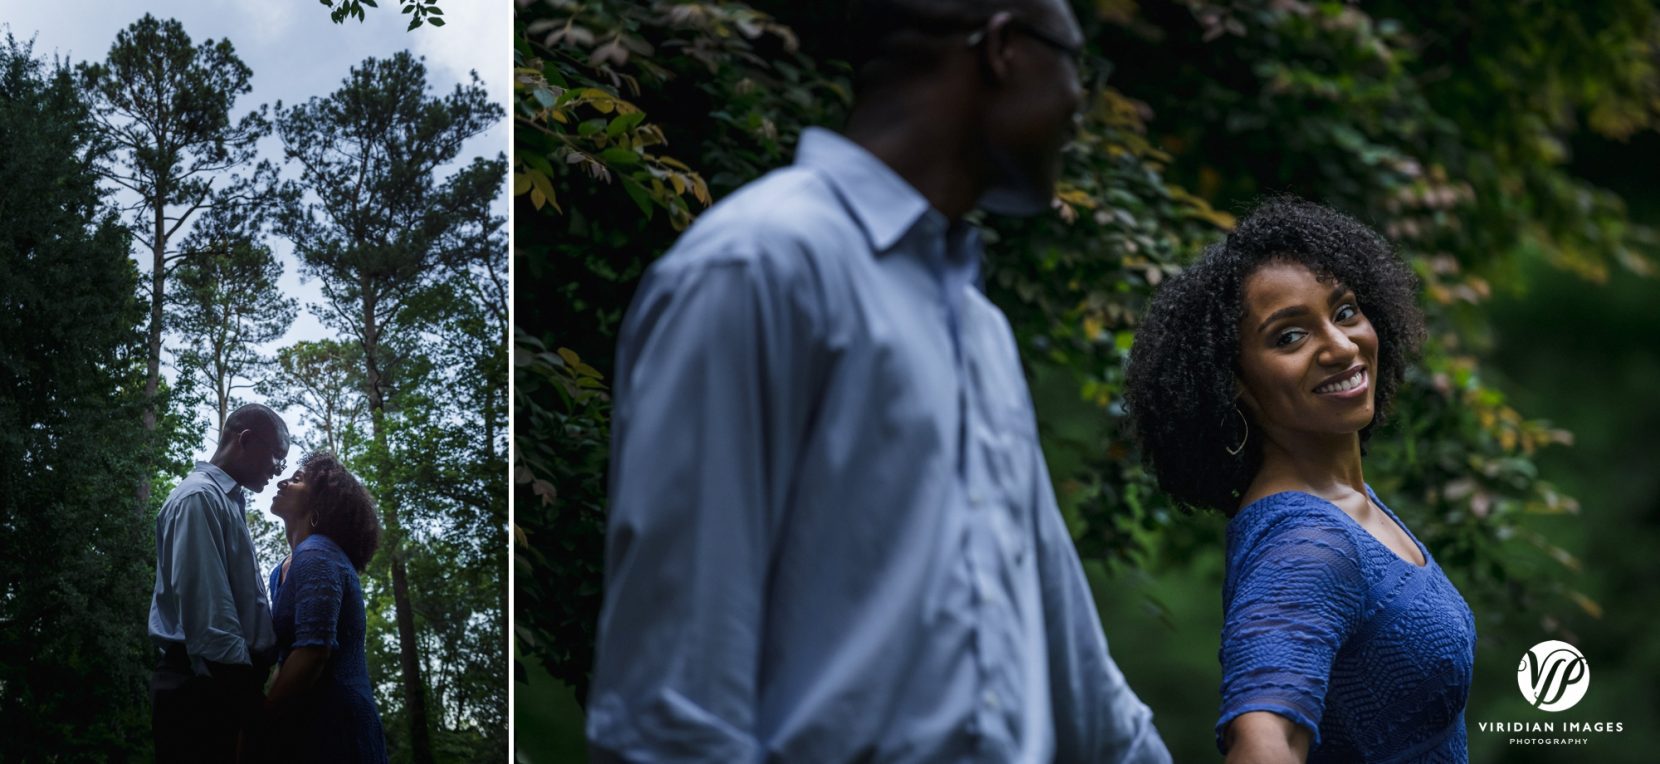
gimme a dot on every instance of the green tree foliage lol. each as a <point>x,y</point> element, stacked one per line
<point>375,223</point>
<point>164,104</point>
<point>1444,127</point>
<point>224,305</point>
<point>449,443</point>
<point>560,430</point>
<point>323,379</point>
<point>419,11</point>
<point>458,577</point>
<point>600,190</point>
<point>75,574</point>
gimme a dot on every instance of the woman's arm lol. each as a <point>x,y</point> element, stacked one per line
<point>1264,737</point>
<point>302,670</point>
<point>298,673</point>
<point>1297,596</point>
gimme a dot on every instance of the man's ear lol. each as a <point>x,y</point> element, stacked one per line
<point>996,46</point>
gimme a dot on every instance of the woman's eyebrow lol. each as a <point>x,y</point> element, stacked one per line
<point>1294,310</point>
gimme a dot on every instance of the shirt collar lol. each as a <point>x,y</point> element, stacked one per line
<point>885,206</point>
<point>219,477</point>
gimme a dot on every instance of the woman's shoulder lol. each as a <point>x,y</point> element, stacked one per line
<point>319,548</point>
<point>1291,519</point>
<point>1298,545</point>
<point>1280,511</point>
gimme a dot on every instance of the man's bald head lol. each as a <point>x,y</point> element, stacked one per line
<point>253,446</point>
<point>973,100</point>
<point>263,420</point>
<point>899,39</point>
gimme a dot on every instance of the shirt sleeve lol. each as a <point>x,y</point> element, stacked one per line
<point>709,408</point>
<point>1097,716</point>
<point>196,568</point>
<point>1298,597</point>
<point>314,582</point>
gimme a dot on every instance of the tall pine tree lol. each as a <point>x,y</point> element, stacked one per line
<point>369,218</point>
<point>164,104</point>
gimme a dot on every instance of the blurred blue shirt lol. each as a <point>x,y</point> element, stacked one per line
<point>832,536</point>
<point>209,596</point>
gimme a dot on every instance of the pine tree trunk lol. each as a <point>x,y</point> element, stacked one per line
<point>409,660</point>
<point>152,361</point>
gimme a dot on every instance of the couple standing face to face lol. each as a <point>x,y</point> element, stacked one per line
<point>218,630</point>
<point>253,450</point>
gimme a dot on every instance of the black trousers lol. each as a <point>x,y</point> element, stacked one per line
<point>198,718</point>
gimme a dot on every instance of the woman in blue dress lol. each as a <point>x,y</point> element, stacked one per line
<point>1255,381</point>
<point>320,706</point>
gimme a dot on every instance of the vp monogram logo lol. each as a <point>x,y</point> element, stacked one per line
<point>1553,676</point>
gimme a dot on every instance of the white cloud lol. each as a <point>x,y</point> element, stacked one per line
<point>477,36</point>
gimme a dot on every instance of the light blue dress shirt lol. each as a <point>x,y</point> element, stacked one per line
<point>832,536</point>
<point>209,595</point>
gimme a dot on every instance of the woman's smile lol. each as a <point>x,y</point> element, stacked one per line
<point>1306,353</point>
<point>1350,384</point>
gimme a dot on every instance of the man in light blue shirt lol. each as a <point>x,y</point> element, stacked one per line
<point>832,536</point>
<point>209,616</point>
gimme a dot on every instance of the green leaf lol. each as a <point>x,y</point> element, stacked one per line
<point>638,193</point>
<point>537,162</point>
<point>620,156</point>
<point>623,123</point>
<point>436,22</point>
<point>544,187</point>
<point>590,127</point>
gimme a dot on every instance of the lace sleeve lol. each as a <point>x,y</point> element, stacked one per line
<point>314,582</point>
<point>1298,596</point>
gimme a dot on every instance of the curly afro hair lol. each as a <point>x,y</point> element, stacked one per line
<point>344,509</point>
<point>1184,365</point>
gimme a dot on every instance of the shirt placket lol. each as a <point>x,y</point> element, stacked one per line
<point>992,721</point>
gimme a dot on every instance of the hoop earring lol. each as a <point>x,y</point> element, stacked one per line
<point>1241,447</point>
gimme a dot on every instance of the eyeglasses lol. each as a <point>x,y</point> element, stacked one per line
<point>1092,69</point>
<point>270,448</point>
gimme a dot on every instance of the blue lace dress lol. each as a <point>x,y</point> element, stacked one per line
<point>1326,626</point>
<point>321,603</point>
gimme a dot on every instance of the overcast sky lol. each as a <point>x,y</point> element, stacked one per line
<point>295,53</point>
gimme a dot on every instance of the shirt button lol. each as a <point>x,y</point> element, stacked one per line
<point>975,499</point>
<point>990,698</point>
